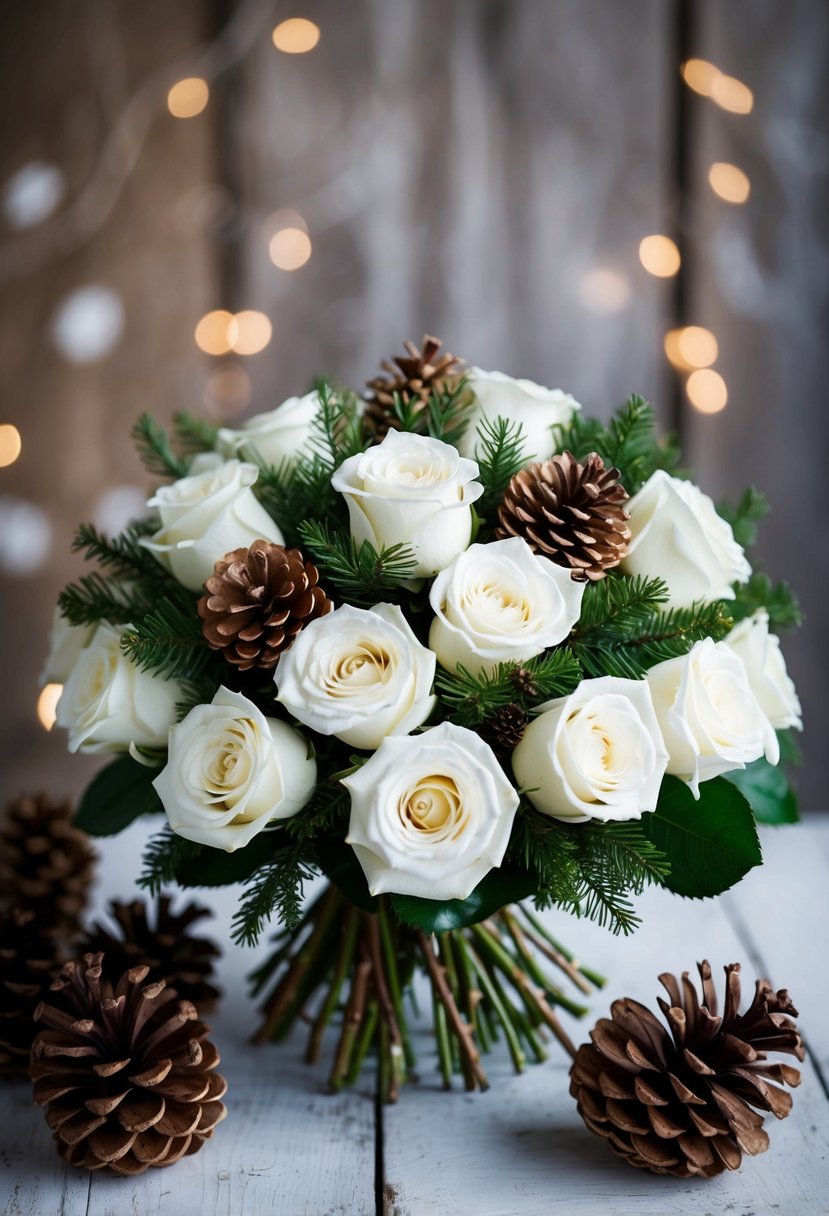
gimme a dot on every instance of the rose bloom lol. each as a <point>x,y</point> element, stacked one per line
<point>65,646</point>
<point>231,771</point>
<point>766,669</point>
<point>206,515</point>
<point>275,437</point>
<point>538,409</point>
<point>710,719</point>
<point>499,603</point>
<point>108,704</point>
<point>677,535</point>
<point>597,754</point>
<point>430,815</point>
<point>414,491</point>
<point>359,674</point>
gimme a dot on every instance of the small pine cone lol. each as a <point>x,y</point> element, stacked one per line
<point>46,862</point>
<point>163,943</point>
<point>569,512</point>
<point>413,377</point>
<point>257,601</point>
<point>28,964</point>
<point>524,682</point>
<point>681,1103</point>
<point>505,729</point>
<point>124,1070</point>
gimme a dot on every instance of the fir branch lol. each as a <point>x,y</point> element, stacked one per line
<point>94,598</point>
<point>745,515</point>
<point>616,607</point>
<point>408,412</point>
<point>124,555</point>
<point>778,599</point>
<point>153,446</point>
<point>360,574</point>
<point>277,889</point>
<point>500,455</point>
<point>163,856</point>
<point>471,699</point>
<point>168,639</point>
<point>448,412</point>
<point>193,434</point>
<point>628,442</point>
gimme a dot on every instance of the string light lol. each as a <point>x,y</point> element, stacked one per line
<point>604,292</point>
<point>10,444</point>
<point>296,36</point>
<point>729,182</point>
<point>188,97</point>
<point>213,334</point>
<point>47,705</point>
<point>290,248</point>
<point>249,332</point>
<point>691,346</point>
<point>659,255</point>
<point>707,391</point>
<point>731,94</point>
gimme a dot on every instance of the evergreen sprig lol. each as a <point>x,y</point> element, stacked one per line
<point>777,598</point>
<point>193,434</point>
<point>164,855</point>
<point>153,445</point>
<point>470,699</point>
<point>745,515</point>
<point>500,455</point>
<point>448,412</point>
<point>168,639</point>
<point>94,598</point>
<point>629,442</point>
<point>360,573</point>
<point>124,555</point>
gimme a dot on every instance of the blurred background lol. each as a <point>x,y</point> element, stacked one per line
<point>205,204</point>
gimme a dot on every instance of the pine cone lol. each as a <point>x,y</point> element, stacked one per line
<point>505,729</point>
<point>257,601</point>
<point>569,512</point>
<point>681,1103</point>
<point>124,1070</point>
<point>45,862</point>
<point>28,964</point>
<point>163,943</point>
<point>413,377</point>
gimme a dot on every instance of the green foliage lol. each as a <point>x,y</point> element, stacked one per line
<point>448,412</point>
<point>498,888</point>
<point>168,640</point>
<point>194,434</point>
<point>359,573</point>
<point>629,442</point>
<point>768,792</point>
<point>470,699</point>
<point>778,599</point>
<point>153,446</point>
<point>500,454</point>
<point>745,515</point>
<point>123,556</point>
<point>93,599</point>
<point>116,796</point>
<point>710,842</point>
<point>164,857</point>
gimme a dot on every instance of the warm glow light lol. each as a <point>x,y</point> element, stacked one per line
<point>228,391</point>
<point>728,182</point>
<point>188,97</point>
<point>296,36</point>
<point>250,332</point>
<point>47,704</point>
<point>10,444</point>
<point>691,347</point>
<point>659,255</point>
<point>604,292</point>
<point>290,248</point>
<point>707,391</point>
<point>700,76</point>
<point>215,332</point>
<point>731,94</point>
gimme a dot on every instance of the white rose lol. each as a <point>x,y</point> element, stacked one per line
<point>359,674</point>
<point>710,719</point>
<point>499,603</point>
<point>411,490</point>
<point>538,409</point>
<point>430,815</point>
<point>677,535</point>
<point>231,771</point>
<point>65,645</point>
<point>109,704</point>
<point>597,754</point>
<point>205,516</point>
<point>276,436</point>
<point>766,669</point>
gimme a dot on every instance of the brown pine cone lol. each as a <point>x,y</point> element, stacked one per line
<point>505,729</point>
<point>681,1103</point>
<point>46,863</point>
<point>124,1070</point>
<point>257,601</point>
<point>569,512</point>
<point>161,941</point>
<point>414,378</point>
<point>28,964</point>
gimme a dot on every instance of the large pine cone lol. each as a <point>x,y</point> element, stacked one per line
<point>28,964</point>
<point>124,1070</point>
<point>681,1103</point>
<point>413,378</point>
<point>162,941</point>
<point>45,862</point>
<point>257,601</point>
<point>569,512</point>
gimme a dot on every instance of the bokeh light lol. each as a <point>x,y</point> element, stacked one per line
<point>604,292</point>
<point>213,332</point>
<point>47,705</point>
<point>25,536</point>
<point>659,255</point>
<point>188,97</point>
<point>731,94</point>
<point>10,444</point>
<point>250,332</point>
<point>707,391</point>
<point>290,248</point>
<point>32,194</point>
<point>700,75</point>
<point>228,391</point>
<point>88,323</point>
<point>690,347</point>
<point>729,182</point>
<point>296,36</point>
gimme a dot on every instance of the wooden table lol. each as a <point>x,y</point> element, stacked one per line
<point>290,1148</point>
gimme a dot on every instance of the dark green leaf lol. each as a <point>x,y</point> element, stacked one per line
<point>339,863</point>
<point>117,795</point>
<point>767,789</point>
<point>217,868</point>
<point>498,888</point>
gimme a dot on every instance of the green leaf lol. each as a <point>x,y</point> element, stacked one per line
<point>767,789</point>
<point>339,864</point>
<point>745,516</point>
<point>498,888</point>
<point>710,843</point>
<point>119,794</point>
<point>217,868</point>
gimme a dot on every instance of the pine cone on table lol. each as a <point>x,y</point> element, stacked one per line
<point>257,601</point>
<point>161,940</point>
<point>28,964</point>
<point>414,378</point>
<point>688,1102</point>
<point>569,512</point>
<point>124,1070</point>
<point>46,863</point>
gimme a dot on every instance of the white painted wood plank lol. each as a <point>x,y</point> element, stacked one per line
<point>522,1149</point>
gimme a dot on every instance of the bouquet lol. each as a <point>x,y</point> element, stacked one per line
<point>457,647</point>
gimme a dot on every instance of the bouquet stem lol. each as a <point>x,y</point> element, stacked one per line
<point>487,980</point>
